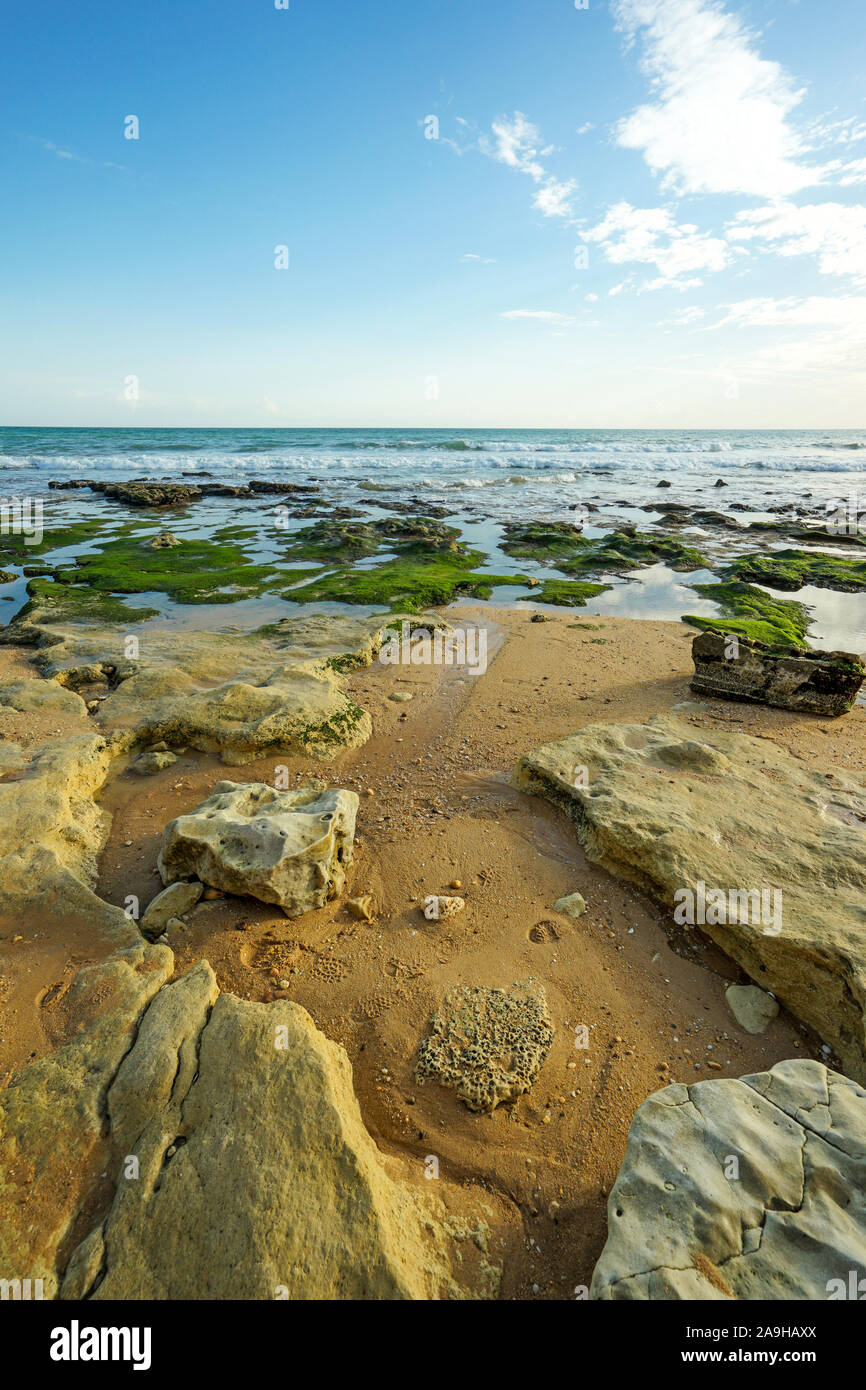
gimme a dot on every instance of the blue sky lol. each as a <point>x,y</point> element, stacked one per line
<point>497,212</point>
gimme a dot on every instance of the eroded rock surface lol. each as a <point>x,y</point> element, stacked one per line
<point>748,1189</point>
<point>813,682</point>
<point>289,848</point>
<point>669,809</point>
<point>488,1045</point>
<point>267,1188</point>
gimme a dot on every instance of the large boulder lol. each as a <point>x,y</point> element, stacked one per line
<point>749,1189</point>
<point>682,812</point>
<point>288,848</point>
<point>242,1170</point>
<point>813,682</point>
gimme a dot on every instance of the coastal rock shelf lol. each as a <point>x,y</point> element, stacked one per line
<point>811,682</point>
<point>735,816</point>
<point>749,1189</point>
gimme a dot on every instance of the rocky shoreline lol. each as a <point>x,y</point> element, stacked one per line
<point>419,973</point>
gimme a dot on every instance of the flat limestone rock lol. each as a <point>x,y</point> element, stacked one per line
<point>256,1176</point>
<point>748,1189</point>
<point>753,1008</point>
<point>241,696</point>
<point>289,848</point>
<point>488,1045</point>
<point>814,682</point>
<point>39,695</point>
<point>670,808</point>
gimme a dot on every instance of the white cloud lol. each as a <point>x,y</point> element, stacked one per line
<point>834,233</point>
<point>651,236</point>
<point>718,121</point>
<point>480,260</point>
<point>585,128</point>
<point>518,143</point>
<point>683,318</point>
<point>554,198</point>
<point>834,347</point>
<point>541,315</point>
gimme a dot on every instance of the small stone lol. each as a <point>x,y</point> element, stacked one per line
<point>752,1007</point>
<point>572,906</point>
<point>363,909</point>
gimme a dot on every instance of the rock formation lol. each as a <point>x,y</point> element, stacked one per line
<point>681,814</point>
<point>487,1044</point>
<point>811,682</point>
<point>748,1189</point>
<point>288,848</point>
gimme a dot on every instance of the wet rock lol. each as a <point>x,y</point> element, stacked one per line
<point>785,848</point>
<point>287,848</point>
<point>488,1045</point>
<point>753,1008</point>
<point>164,541</point>
<point>813,682</point>
<point>751,1189</point>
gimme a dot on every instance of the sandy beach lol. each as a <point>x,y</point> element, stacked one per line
<point>438,813</point>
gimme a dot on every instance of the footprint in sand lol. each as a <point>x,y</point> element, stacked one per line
<point>543,933</point>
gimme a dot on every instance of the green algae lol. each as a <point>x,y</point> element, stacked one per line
<point>559,543</point>
<point>405,584</point>
<point>790,570</point>
<point>55,602</point>
<point>566,593</point>
<point>749,612</point>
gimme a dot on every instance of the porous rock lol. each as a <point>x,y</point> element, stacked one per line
<point>488,1045</point>
<point>290,848</point>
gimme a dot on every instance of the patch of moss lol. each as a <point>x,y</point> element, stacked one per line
<point>561,544</point>
<point>567,593</point>
<point>749,612</point>
<point>339,541</point>
<point>543,541</point>
<point>405,584</point>
<point>15,547</point>
<point>789,570</point>
<point>77,603</point>
<point>196,571</point>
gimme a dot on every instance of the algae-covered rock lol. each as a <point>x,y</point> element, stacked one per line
<point>813,682</point>
<point>749,1189</point>
<point>288,848</point>
<point>488,1045</point>
<point>692,814</point>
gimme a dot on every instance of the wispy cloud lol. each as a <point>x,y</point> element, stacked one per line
<point>652,236</point>
<point>834,234</point>
<point>516,142</point>
<point>479,260</point>
<point>541,315</point>
<point>61,152</point>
